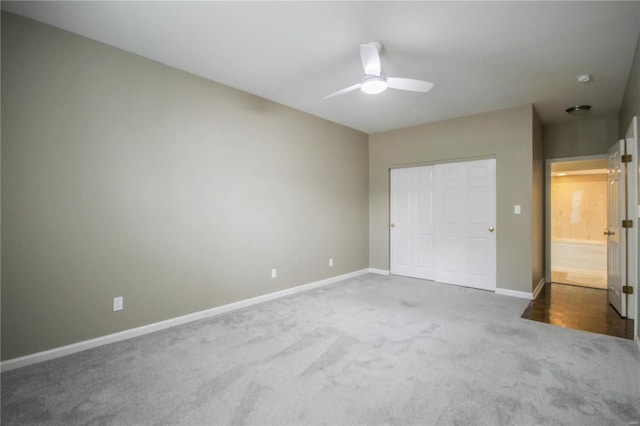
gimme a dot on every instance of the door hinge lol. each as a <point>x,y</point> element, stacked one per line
<point>628,223</point>
<point>627,289</point>
<point>626,158</point>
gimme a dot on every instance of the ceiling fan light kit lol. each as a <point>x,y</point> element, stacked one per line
<point>373,85</point>
<point>374,81</point>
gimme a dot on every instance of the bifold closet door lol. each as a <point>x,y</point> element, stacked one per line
<point>465,199</point>
<point>443,223</point>
<point>411,232</point>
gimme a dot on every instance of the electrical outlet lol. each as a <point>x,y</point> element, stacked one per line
<point>331,261</point>
<point>118,303</point>
<point>274,273</point>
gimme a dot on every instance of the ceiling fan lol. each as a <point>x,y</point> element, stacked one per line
<point>374,81</point>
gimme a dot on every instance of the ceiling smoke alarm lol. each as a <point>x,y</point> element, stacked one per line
<point>584,78</point>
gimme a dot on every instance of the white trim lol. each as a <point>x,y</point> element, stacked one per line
<point>638,341</point>
<point>538,288</point>
<point>514,293</point>
<point>35,358</point>
<point>379,271</point>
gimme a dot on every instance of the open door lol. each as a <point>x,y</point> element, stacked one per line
<point>633,210</point>
<point>616,239</point>
<point>622,223</point>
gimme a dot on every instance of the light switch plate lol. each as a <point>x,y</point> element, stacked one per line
<point>118,303</point>
<point>516,209</point>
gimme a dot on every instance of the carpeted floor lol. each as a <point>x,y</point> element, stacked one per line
<point>370,350</point>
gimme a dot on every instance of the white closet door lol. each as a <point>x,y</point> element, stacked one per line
<point>465,240</point>
<point>411,227</point>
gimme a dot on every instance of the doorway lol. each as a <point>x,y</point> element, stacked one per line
<point>621,231</point>
<point>576,293</point>
<point>578,216</point>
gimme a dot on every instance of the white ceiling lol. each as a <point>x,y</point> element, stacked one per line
<point>481,56</point>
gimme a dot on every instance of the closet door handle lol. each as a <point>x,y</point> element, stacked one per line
<point>491,229</point>
<point>393,225</point>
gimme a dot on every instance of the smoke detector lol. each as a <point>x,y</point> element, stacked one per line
<point>584,78</point>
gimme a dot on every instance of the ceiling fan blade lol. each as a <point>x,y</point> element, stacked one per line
<point>343,91</point>
<point>370,59</point>
<point>409,84</point>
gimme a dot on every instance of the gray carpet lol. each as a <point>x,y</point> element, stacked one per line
<point>370,350</point>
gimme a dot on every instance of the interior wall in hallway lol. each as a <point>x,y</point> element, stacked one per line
<point>580,137</point>
<point>579,207</point>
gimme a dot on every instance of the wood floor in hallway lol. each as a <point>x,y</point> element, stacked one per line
<point>579,308</point>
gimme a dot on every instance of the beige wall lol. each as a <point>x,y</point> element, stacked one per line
<point>505,135</point>
<point>580,137</point>
<point>538,199</point>
<point>631,101</point>
<point>630,108</point>
<point>124,177</point>
<point>579,207</point>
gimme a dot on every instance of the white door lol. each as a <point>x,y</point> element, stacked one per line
<point>465,243</point>
<point>616,238</point>
<point>411,232</point>
<point>633,213</point>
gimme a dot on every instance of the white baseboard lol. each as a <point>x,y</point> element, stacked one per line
<point>24,361</point>
<point>379,271</point>
<point>502,291</point>
<point>514,293</point>
<point>538,288</point>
